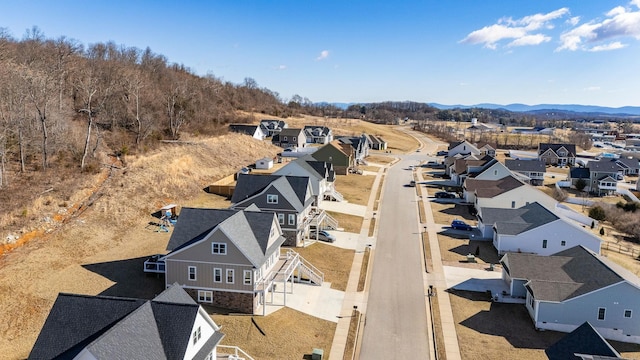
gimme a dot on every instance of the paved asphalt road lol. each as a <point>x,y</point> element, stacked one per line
<point>396,323</point>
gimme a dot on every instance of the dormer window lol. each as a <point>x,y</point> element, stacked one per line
<point>284,138</point>
<point>272,199</point>
<point>294,138</point>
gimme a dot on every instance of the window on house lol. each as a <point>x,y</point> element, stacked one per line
<point>627,314</point>
<point>563,243</point>
<point>531,301</point>
<point>284,138</point>
<point>272,199</point>
<point>513,204</point>
<point>230,274</point>
<point>292,219</point>
<point>219,248</point>
<point>281,219</point>
<point>217,275</point>
<point>205,296</point>
<point>294,138</point>
<point>192,273</point>
<point>197,334</point>
<point>209,356</point>
<point>544,244</point>
<point>601,313</point>
<point>246,278</point>
<point>495,172</point>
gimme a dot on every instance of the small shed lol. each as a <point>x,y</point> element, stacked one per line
<point>264,163</point>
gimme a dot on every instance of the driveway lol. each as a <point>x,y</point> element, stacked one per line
<point>344,207</point>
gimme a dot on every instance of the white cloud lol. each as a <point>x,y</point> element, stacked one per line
<point>323,55</point>
<point>536,39</point>
<point>520,30</point>
<point>607,47</point>
<point>592,88</point>
<point>282,67</point>
<point>620,22</point>
<point>575,20</point>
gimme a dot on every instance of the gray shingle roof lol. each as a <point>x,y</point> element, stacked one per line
<point>585,339</point>
<point>563,275</point>
<point>491,188</point>
<point>249,185</point>
<point>542,147</point>
<point>629,163</point>
<point>243,129</point>
<point>603,166</point>
<point>248,230</point>
<point>517,221</point>
<point>118,328</point>
<point>525,165</point>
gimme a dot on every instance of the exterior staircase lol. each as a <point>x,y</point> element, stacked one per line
<point>322,220</point>
<point>306,272</point>
<point>333,194</point>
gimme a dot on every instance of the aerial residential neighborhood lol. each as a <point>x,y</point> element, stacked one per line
<point>328,180</point>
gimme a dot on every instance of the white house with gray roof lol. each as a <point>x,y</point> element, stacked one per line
<point>170,326</point>
<point>567,288</point>
<point>533,229</point>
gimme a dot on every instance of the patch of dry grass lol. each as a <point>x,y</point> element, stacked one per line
<point>352,335</point>
<point>372,226</point>
<point>378,192</point>
<point>279,342</point>
<point>364,268</point>
<point>427,251</point>
<point>488,330</point>
<point>333,261</point>
<point>355,188</point>
<point>350,223</point>
<point>380,159</point>
<point>437,328</point>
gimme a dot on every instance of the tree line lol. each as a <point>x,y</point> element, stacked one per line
<point>61,101</point>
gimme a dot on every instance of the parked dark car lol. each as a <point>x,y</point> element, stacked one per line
<point>442,153</point>
<point>460,225</point>
<point>445,195</point>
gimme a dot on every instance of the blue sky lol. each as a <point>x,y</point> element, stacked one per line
<point>449,52</point>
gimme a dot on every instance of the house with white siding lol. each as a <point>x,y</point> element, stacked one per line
<point>533,229</point>
<point>570,287</point>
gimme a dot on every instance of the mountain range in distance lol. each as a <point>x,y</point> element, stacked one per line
<point>590,109</point>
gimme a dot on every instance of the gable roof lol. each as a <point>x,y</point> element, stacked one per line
<point>249,185</point>
<point>571,148</point>
<point>470,146</point>
<point>630,163</point>
<point>104,326</point>
<point>564,275</point>
<point>289,132</point>
<point>491,188</point>
<point>517,221</point>
<point>248,230</point>
<point>272,124</point>
<point>603,166</point>
<point>244,129</point>
<point>315,130</point>
<point>586,340</point>
<point>525,165</point>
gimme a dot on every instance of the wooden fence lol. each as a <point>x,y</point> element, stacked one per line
<point>621,249</point>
